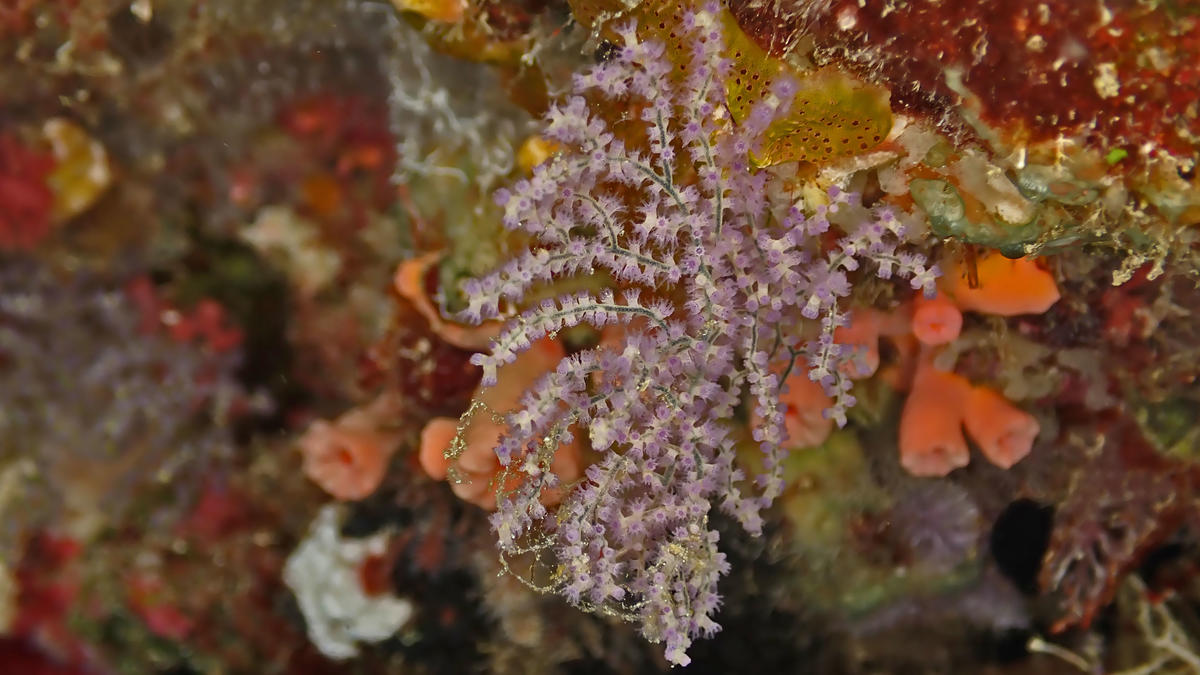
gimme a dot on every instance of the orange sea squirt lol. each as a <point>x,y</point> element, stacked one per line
<point>346,462</point>
<point>348,457</point>
<point>409,282</point>
<point>940,405</point>
<point>477,465</point>
<point>931,437</point>
<point>862,332</point>
<point>936,321</point>
<point>804,404</point>
<point>1003,432</point>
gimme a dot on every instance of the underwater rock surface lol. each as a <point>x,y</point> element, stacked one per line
<point>599,336</point>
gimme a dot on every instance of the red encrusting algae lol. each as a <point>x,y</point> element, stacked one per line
<point>1113,74</point>
<point>26,201</point>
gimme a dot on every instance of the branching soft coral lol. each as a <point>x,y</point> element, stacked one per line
<point>723,291</point>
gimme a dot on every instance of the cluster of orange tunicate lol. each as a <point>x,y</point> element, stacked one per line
<point>940,404</point>
<point>478,468</point>
<point>348,457</point>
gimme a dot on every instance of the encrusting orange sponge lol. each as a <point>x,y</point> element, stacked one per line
<point>1005,287</point>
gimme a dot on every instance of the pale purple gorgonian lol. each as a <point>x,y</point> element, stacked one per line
<point>721,286</point>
